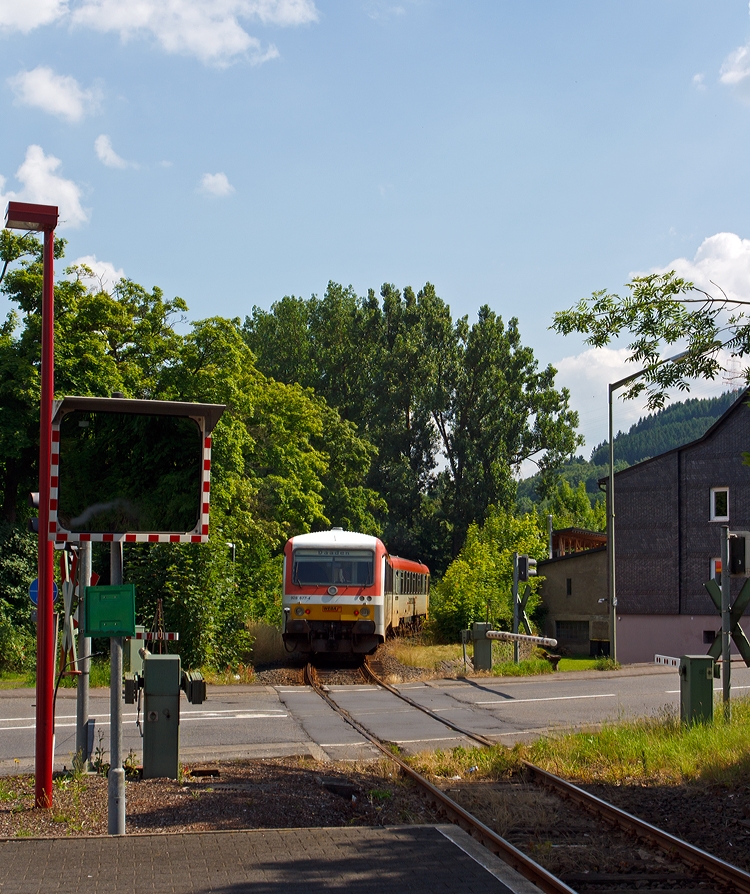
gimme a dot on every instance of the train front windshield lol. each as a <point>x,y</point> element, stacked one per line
<point>317,567</point>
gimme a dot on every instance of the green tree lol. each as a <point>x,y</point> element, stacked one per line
<point>571,508</point>
<point>660,311</point>
<point>493,410</point>
<point>284,461</point>
<point>478,584</point>
<point>452,409</point>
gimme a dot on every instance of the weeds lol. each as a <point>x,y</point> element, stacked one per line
<point>527,668</point>
<point>98,763</point>
<point>657,749</point>
<point>606,664</point>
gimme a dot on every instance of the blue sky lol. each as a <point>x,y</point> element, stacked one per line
<point>519,154</point>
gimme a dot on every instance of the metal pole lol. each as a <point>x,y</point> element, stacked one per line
<point>726,627</point>
<point>549,535</point>
<point>45,643</point>
<point>84,660</point>
<point>116,778</point>
<point>611,538</point>
<point>515,606</point>
<point>611,497</point>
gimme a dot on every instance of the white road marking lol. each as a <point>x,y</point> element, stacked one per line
<point>716,689</point>
<point>554,698</point>
<point>130,719</point>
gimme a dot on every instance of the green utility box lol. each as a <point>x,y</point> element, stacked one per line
<point>110,610</point>
<point>482,646</point>
<point>696,689</point>
<point>161,707</point>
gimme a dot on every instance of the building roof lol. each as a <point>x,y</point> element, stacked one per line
<point>741,400</point>
<point>578,555</point>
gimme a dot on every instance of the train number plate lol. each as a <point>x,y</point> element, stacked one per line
<point>331,608</point>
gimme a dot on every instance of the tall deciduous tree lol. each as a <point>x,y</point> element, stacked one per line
<point>284,461</point>
<point>452,408</point>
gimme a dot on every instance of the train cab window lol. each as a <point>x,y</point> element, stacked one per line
<point>313,567</point>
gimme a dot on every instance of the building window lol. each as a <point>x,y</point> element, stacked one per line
<point>568,586</point>
<point>719,504</point>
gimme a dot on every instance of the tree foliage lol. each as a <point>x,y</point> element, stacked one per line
<point>478,584</point>
<point>661,311</point>
<point>452,408</point>
<point>284,461</point>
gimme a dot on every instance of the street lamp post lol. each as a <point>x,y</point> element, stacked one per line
<point>43,218</point>
<point>611,501</point>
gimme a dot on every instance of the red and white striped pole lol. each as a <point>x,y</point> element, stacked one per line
<point>25,216</point>
<point>45,645</point>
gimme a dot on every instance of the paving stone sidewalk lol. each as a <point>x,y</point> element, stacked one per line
<point>362,860</point>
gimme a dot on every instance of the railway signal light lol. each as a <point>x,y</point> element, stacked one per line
<point>526,568</point>
<point>34,503</point>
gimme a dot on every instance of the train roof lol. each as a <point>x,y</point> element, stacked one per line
<point>340,539</point>
<point>335,537</point>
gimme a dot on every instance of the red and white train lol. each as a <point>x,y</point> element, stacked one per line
<point>343,592</point>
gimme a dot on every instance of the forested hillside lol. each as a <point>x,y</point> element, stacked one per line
<point>656,433</point>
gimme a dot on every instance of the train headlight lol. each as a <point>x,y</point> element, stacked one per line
<point>299,611</point>
<point>364,611</point>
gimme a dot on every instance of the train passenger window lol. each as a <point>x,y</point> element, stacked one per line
<point>313,567</point>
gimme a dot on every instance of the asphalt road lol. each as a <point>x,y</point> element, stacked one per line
<point>264,721</point>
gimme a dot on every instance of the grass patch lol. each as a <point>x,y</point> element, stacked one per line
<point>580,663</point>
<point>13,680</point>
<point>654,750</point>
<point>426,656</point>
<point>242,673</point>
<point>529,667</point>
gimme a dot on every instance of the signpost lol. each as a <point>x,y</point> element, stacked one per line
<point>127,471</point>
<point>730,613</point>
<point>34,591</point>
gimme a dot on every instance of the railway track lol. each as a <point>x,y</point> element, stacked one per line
<point>686,868</point>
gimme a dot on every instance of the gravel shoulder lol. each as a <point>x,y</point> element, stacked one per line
<point>261,794</point>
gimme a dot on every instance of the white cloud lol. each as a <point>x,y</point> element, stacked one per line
<point>216,185</point>
<point>25,15</point>
<point>381,11</point>
<point>105,276</point>
<point>736,67</point>
<point>587,376</point>
<point>42,184</point>
<point>207,29</point>
<point>107,155</point>
<point>723,259</point>
<point>735,72</point>
<point>57,94</point>
<point>699,81</point>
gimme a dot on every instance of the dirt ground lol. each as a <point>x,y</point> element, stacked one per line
<point>270,794</point>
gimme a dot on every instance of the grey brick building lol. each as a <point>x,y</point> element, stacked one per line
<point>669,512</point>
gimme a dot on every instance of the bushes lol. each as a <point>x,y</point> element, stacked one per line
<point>18,568</point>
<point>478,584</point>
